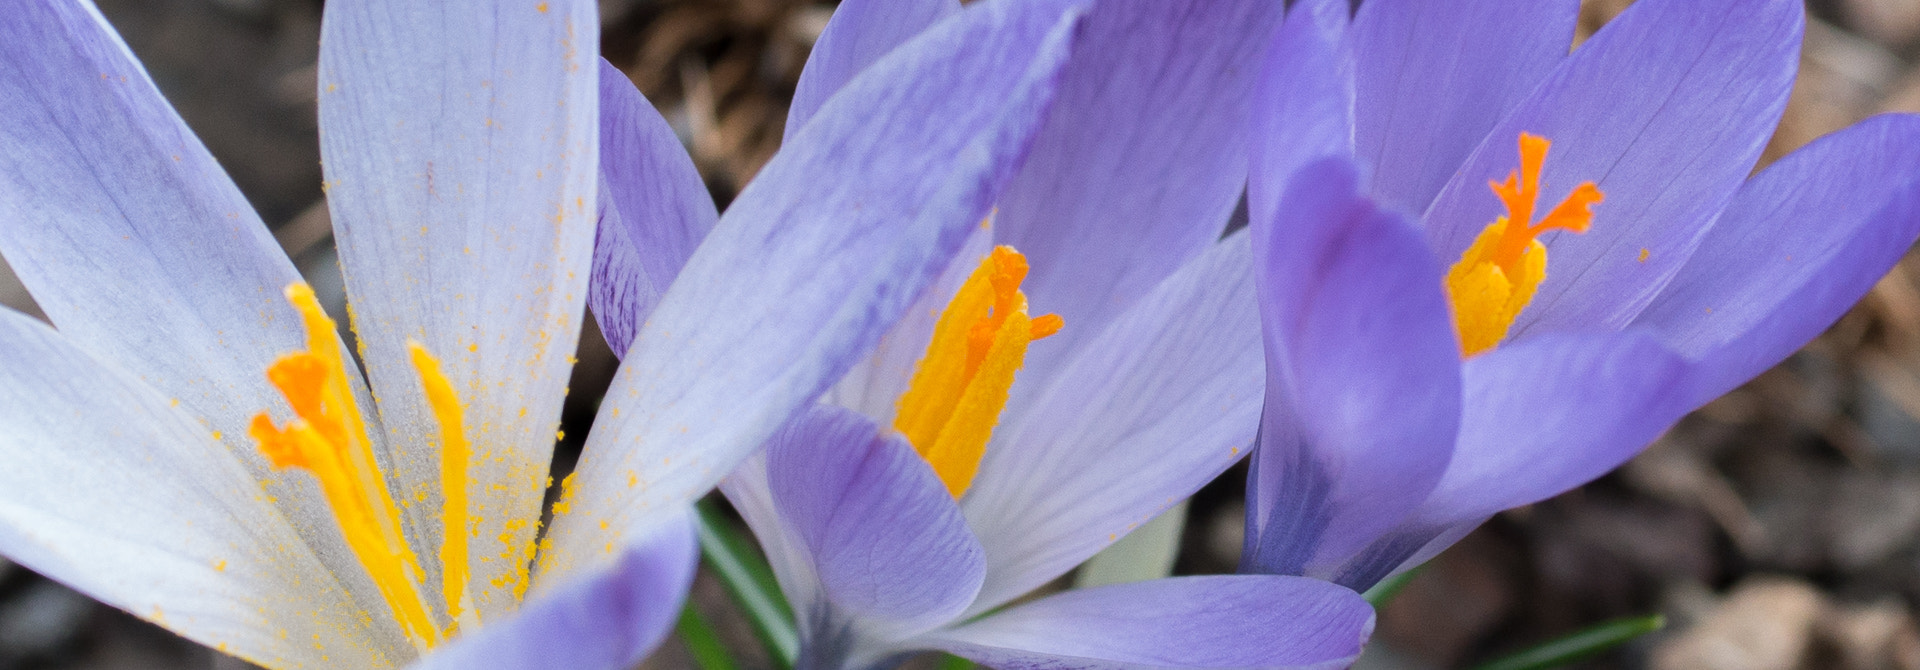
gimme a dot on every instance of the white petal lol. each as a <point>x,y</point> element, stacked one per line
<point>108,487</point>
<point>138,246</point>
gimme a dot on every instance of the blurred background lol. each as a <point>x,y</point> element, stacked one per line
<point>1776,528</point>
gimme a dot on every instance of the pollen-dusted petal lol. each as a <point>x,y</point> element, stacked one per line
<point>390,566</point>
<point>461,158</point>
<point>608,618</point>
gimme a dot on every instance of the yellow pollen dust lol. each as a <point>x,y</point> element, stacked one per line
<point>329,439</point>
<point>1498,275</point>
<point>960,386</point>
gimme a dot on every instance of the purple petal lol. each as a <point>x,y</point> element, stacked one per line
<point>818,256</point>
<point>1542,417</point>
<point>462,162</point>
<point>1800,244</point>
<point>1665,109</point>
<point>1433,78</point>
<point>874,385</point>
<point>1363,375</point>
<point>860,32</point>
<point>654,210</point>
<point>1302,103</point>
<point>748,490</point>
<point>1142,163</point>
<point>887,541</point>
<point>137,245</point>
<point>1151,409</point>
<point>606,620</point>
<point>1238,621</point>
<point>1545,416</point>
<point>1406,548</point>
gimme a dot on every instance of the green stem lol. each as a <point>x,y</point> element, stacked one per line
<point>952,662</point>
<point>702,642</point>
<point>1579,645</point>
<point>1383,592</point>
<point>750,581</point>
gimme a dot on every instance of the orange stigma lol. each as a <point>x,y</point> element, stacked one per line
<point>1496,278</point>
<point>960,386</point>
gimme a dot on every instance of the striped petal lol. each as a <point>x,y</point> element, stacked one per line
<point>461,165</point>
<point>1666,110</point>
<point>860,32</point>
<point>1432,78</point>
<point>654,210</point>
<point>138,246</point>
<point>1141,164</point>
<point>1800,244</point>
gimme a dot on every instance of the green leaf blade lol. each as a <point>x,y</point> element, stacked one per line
<point>1580,645</point>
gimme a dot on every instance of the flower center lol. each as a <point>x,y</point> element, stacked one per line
<point>1497,276</point>
<point>329,440</point>
<point>960,385</point>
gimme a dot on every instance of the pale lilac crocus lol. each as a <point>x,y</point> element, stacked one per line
<point>1394,424</point>
<point>139,441</point>
<point>1151,389</point>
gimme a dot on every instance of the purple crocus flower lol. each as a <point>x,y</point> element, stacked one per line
<point>936,484</point>
<point>1409,400</point>
<point>194,449</point>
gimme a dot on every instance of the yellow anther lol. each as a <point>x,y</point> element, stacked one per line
<point>329,440</point>
<point>960,386</point>
<point>455,458</point>
<point>1497,276</point>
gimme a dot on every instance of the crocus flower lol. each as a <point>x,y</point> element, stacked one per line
<point>1087,360</point>
<point>1438,351</point>
<point>193,444</point>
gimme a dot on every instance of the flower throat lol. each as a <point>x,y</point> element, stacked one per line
<point>1498,275</point>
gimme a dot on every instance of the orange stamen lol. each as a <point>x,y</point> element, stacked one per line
<point>960,387</point>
